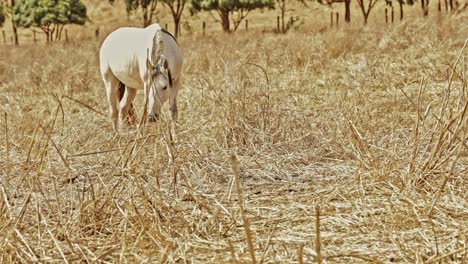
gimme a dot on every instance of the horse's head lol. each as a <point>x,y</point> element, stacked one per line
<point>160,79</point>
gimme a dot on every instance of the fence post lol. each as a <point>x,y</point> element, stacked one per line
<point>96,33</point>
<point>4,36</point>
<point>386,16</point>
<point>278,24</point>
<point>66,36</point>
<point>246,25</point>
<point>204,27</point>
<point>337,19</point>
<point>166,27</point>
<point>331,19</point>
<point>392,14</point>
<point>34,36</point>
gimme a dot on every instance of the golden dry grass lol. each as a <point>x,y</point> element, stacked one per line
<point>369,125</point>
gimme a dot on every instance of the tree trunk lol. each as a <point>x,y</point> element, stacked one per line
<point>366,16</point>
<point>153,6</point>
<point>47,32</point>
<point>176,26</point>
<point>146,21</point>
<point>347,11</point>
<point>426,11</point>
<point>52,33</point>
<point>13,24</point>
<point>60,32</point>
<point>224,14</point>
<point>57,31</point>
<point>425,7</point>
<point>401,9</point>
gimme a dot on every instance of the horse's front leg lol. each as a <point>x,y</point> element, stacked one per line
<point>173,101</point>
<point>154,105</point>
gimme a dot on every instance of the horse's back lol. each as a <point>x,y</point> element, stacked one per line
<point>125,41</point>
<point>124,53</point>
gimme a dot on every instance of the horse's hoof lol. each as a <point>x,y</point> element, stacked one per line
<point>153,118</point>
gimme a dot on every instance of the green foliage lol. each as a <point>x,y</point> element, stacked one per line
<point>132,5</point>
<point>230,5</point>
<point>42,13</point>
<point>236,9</point>
<point>148,8</point>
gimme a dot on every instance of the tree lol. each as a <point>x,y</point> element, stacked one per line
<point>177,7</point>
<point>347,7</point>
<point>237,10</point>
<point>400,3</point>
<point>147,7</point>
<point>13,23</point>
<point>347,17</point>
<point>425,7</point>
<point>366,10</point>
<point>404,2</point>
<point>282,7</point>
<point>50,16</point>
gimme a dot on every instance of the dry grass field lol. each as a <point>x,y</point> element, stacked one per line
<point>367,126</point>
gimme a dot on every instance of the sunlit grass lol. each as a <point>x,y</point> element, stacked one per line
<point>369,124</point>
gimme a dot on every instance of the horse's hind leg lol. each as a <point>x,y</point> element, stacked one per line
<point>127,111</point>
<point>112,84</point>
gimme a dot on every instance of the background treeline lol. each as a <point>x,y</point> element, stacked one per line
<point>51,16</point>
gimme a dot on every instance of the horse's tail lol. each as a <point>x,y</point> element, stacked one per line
<point>121,90</point>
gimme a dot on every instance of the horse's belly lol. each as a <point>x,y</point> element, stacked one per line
<point>130,78</point>
<point>135,83</point>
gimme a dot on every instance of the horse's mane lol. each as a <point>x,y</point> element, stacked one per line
<point>167,32</point>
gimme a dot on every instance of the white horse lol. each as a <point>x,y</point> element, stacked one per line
<point>126,65</point>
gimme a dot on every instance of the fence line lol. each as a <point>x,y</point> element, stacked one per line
<point>335,15</point>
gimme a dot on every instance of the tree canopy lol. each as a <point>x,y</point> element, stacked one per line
<point>237,8</point>
<point>176,7</point>
<point>148,8</point>
<point>50,15</point>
